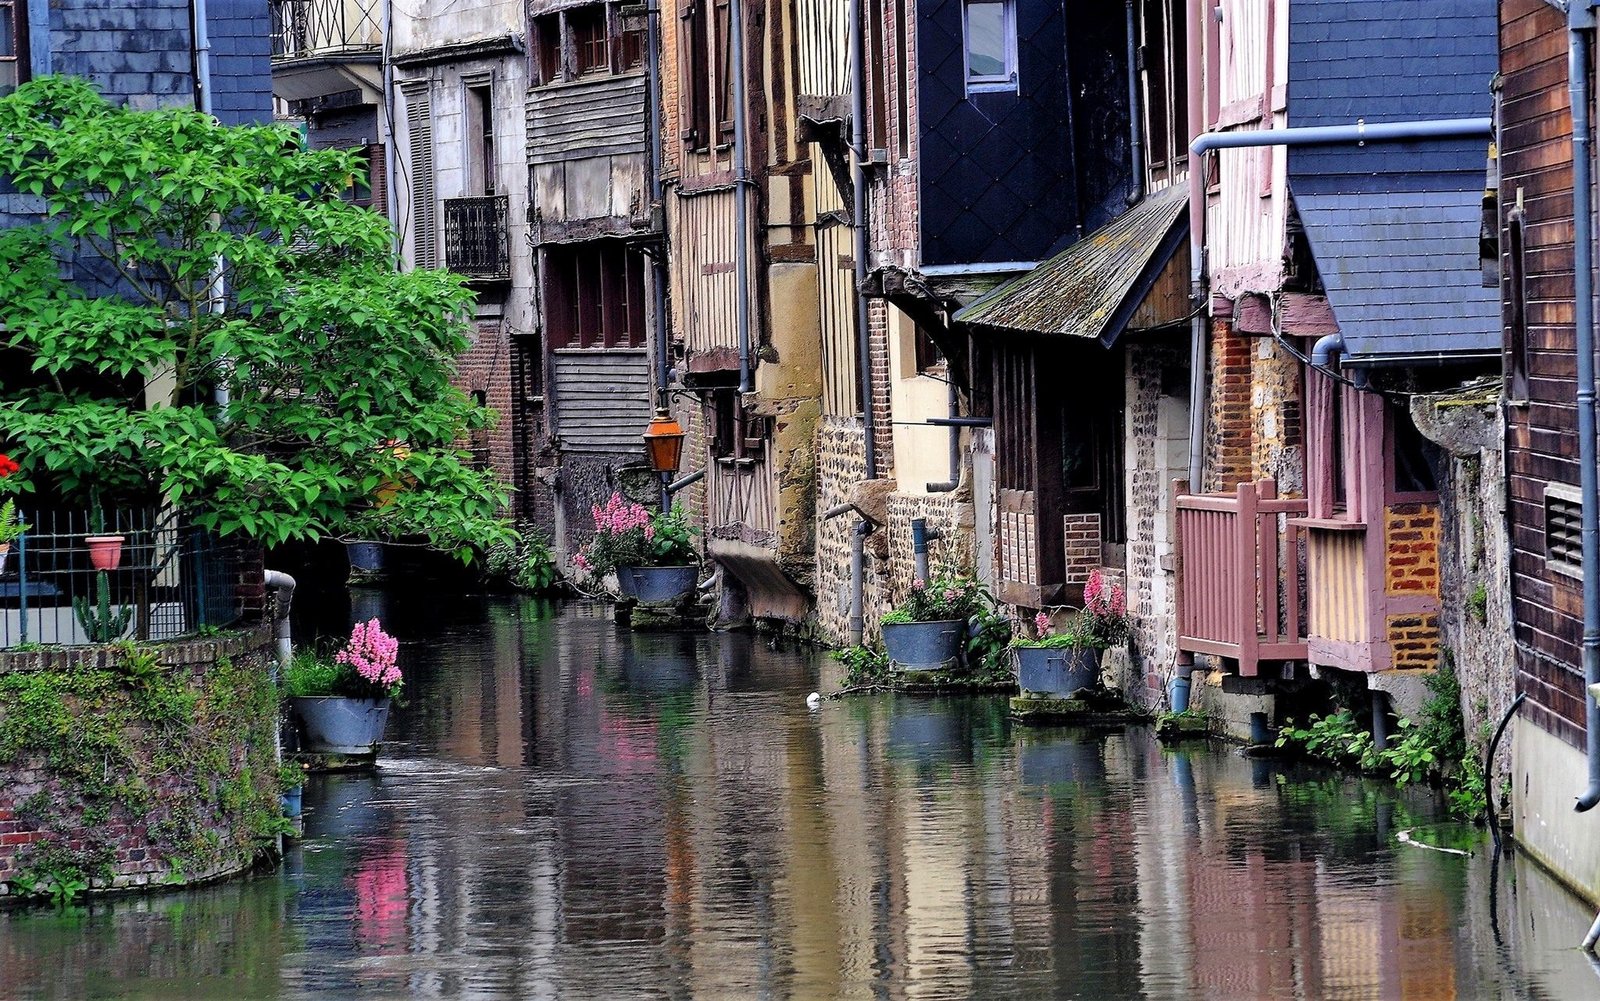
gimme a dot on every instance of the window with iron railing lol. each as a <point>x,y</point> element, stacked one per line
<point>13,44</point>
<point>476,243</point>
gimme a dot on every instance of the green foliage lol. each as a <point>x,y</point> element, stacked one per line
<point>1478,603</point>
<point>342,418</point>
<point>987,645</point>
<point>100,624</point>
<point>130,745</point>
<point>864,667</point>
<point>311,674</point>
<point>11,527</point>
<point>524,561</point>
<point>1337,739</point>
<point>291,775</point>
<point>672,539</point>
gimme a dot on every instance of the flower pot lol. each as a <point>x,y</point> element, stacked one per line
<point>1057,671</point>
<point>366,558</point>
<point>5,554</point>
<point>657,585</point>
<point>105,551</point>
<point>334,724</point>
<point>291,802</point>
<point>924,646</point>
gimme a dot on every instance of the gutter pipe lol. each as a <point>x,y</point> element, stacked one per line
<point>202,84</point>
<point>858,565</point>
<point>955,446</point>
<point>1194,42</point>
<point>921,535</point>
<point>1580,25</point>
<point>1135,133</point>
<point>282,585</point>
<point>658,264</point>
<point>858,221</point>
<point>741,189</point>
<point>1359,134</point>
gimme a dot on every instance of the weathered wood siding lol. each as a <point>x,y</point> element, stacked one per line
<point>602,399</point>
<point>823,67</point>
<point>704,281</point>
<point>1541,437</point>
<point>598,116</point>
<point>836,299</point>
<point>1245,219</point>
<point>742,495</point>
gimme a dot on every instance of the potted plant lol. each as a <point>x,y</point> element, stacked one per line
<point>11,529</point>
<point>105,551</point>
<point>342,704</point>
<point>926,631</point>
<point>652,555</point>
<point>1063,660</point>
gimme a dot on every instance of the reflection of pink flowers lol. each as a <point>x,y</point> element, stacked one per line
<point>382,891</point>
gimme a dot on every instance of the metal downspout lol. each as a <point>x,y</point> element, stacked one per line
<point>1581,23</point>
<point>858,221</point>
<point>954,445</point>
<point>741,192</point>
<point>658,263</point>
<point>858,565</point>
<point>1197,228</point>
<point>1360,134</point>
<point>202,84</point>
<point>1135,133</point>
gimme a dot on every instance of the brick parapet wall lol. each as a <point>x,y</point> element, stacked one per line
<point>1228,447</point>
<point>48,812</point>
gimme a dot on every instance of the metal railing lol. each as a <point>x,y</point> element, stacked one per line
<point>163,579</point>
<point>1240,590</point>
<point>476,243</point>
<point>302,29</point>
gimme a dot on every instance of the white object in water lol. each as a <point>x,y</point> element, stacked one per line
<point>813,700</point>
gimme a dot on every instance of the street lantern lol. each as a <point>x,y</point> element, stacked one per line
<point>663,441</point>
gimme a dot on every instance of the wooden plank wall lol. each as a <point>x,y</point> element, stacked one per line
<point>836,298</point>
<point>602,398</point>
<point>704,282</point>
<point>1245,219</point>
<point>595,116</point>
<point>1536,159</point>
<point>823,64</point>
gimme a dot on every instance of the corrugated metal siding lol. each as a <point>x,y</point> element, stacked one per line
<point>603,116</point>
<point>602,399</point>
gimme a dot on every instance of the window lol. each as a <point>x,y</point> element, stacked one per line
<point>991,44</point>
<point>735,433</point>
<point>1413,455</point>
<point>901,81</point>
<point>1162,51</point>
<point>927,352</point>
<point>595,296</point>
<point>13,44</point>
<point>590,40</point>
<point>724,36</point>
<point>1516,362</point>
<point>878,117</point>
<point>481,160</point>
<point>696,75</point>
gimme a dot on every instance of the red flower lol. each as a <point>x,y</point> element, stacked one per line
<point>8,465</point>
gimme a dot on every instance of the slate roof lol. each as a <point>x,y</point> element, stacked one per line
<point>1394,227</point>
<point>1092,288</point>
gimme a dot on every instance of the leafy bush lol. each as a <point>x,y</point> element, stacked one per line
<point>524,562</point>
<point>948,596</point>
<point>864,667</point>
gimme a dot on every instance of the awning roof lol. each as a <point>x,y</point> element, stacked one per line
<point>1094,287</point>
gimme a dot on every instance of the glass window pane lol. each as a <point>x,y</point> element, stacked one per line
<point>8,33</point>
<point>986,40</point>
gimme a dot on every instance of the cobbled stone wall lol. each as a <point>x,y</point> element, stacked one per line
<point>132,777</point>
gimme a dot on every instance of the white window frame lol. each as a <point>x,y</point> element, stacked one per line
<point>1006,81</point>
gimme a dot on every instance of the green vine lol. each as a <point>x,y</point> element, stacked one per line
<point>187,755</point>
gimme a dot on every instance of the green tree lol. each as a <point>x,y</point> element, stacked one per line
<point>340,421</point>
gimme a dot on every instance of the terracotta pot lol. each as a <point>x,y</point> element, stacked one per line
<point>105,551</point>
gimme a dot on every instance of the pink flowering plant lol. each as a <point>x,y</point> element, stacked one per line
<point>947,596</point>
<point>1101,623</point>
<point>366,667</point>
<point>627,534</point>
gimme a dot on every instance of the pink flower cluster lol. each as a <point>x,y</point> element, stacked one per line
<point>620,516</point>
<point>1101,597</point>
<point>372,652</point>
<point>1041,624</point>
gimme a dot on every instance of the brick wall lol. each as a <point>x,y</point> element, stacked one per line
<point>1228,450</point>
<point>1414,641</point>
<point>1081,538</point>
<point>841,455</point>
<point>485,368</point>
<point>1411,541</point>
<point>882,408</point>
<point>187,796</point>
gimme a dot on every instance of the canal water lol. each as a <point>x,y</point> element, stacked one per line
<point>568,810</point>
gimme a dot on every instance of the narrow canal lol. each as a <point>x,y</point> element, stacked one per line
<point>572,811</point>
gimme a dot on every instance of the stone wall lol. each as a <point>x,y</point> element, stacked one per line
<point>132,767</point>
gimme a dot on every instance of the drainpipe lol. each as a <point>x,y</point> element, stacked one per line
<point>858,220</point>
<point>282,585</point>
<point>202,86</point>
<point>920,537</point>
<point>658,263</point>
<point>741,191</point>
<point>1135,133</point>
<point>955,447</point>
<point>1194,41</point>
<point>858,566</point>
<point>1359,134</point>
<point>1580,23</point>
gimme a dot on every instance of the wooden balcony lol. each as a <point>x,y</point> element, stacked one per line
<point>1240,583</point>
<point>476,243</point>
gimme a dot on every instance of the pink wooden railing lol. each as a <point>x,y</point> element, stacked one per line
<point>1239,575</point>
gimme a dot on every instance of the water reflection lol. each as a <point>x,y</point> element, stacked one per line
<point>574,811</point>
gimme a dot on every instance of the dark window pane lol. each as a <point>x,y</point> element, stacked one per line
<point>986,40</point>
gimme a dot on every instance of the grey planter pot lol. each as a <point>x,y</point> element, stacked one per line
<point>657,585</point>
<point>924,646</point>
<point>1057,672</point>
<point>366,558</point>
<point>333,724</point>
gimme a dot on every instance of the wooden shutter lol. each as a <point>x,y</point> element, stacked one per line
<point>424,213</point>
